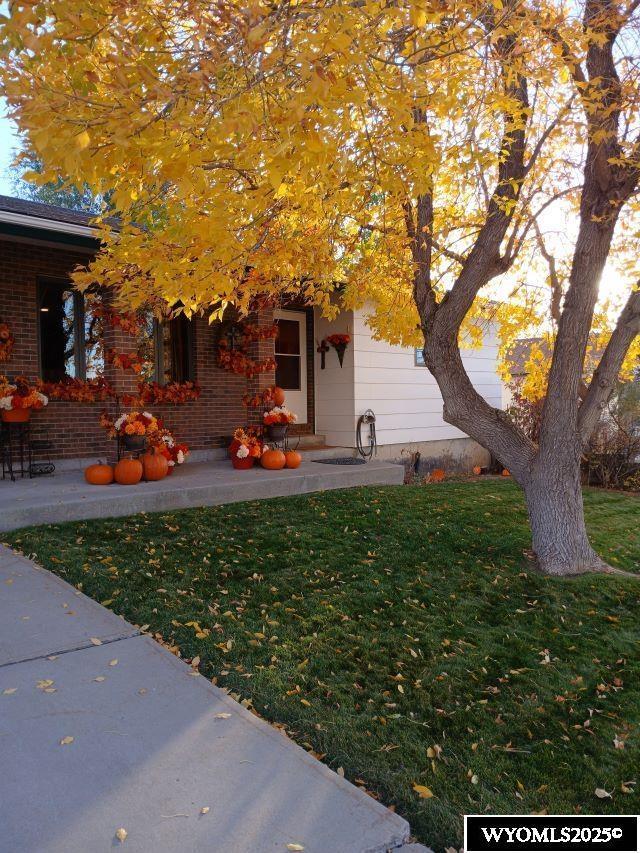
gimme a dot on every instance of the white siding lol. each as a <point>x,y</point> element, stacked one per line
<point>404,396</point>
<point>334,386</point>
<point>385,378</point>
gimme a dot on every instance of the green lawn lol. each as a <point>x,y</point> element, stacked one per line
<point>399,634</point>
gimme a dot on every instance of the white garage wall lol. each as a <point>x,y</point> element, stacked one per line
<point>385,378</point>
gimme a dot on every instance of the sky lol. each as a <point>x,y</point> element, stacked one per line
<point>8,147</point>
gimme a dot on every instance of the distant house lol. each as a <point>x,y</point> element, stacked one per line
<point>55,337</point>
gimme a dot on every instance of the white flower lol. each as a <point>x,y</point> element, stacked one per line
<point>242,452</point>
<point>147,415</point>
<point>5,403</point>
<point>44,400</point>
<point>168,440</point>
<point>180,456</point>
<point>171,463</point>
<point>120,422</point>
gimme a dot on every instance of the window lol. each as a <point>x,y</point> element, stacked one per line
<point>419,358</point>
<point>287,352</point>
<point>166,350</point>
<point>70,335</point>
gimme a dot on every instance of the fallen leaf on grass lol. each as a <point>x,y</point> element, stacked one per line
<point>602,794</point>
<point>423,792</point>
<point>66,740</point>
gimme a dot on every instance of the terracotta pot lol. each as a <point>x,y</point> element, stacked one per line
<point>16,416</point>
<point>243,464</point>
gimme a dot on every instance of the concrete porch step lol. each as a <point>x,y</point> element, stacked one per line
<point>67,497</point>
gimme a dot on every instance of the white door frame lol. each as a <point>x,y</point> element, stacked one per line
<point>297,400</point>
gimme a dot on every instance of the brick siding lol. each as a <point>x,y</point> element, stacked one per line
<point>72,428</point>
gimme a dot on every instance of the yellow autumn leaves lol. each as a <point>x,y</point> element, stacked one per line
<point>290,144</point>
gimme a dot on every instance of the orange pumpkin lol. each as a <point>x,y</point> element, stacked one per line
<point>506,472</point>
<point>437,475</point>
<point>278,396</point>
<point>477,470</point>
<point>99,474</point>
<point>274,460</point>
<point>292,458</point>
<point>154,464</point>
<point>128,472</point>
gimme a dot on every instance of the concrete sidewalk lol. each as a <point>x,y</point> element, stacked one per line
<point>102,728</point>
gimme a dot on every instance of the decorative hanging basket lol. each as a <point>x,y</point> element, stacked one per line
<point>339,342</point>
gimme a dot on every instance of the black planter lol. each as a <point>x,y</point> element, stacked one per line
<point>134,443</point>
<point>277,432</point>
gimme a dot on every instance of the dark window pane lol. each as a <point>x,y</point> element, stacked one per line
<point>288,371</point>
<point>58,355</point>
<point>288,339</point>
<point>176,343</point>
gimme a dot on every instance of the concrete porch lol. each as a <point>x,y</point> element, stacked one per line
<point>65,496</point>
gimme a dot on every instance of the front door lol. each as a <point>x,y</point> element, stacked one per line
<point>291,360</point>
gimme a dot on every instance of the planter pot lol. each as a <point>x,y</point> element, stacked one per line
<point>277,432</point>
<point>134,443</point>
<point>242,464</point>
<point>16,416</point>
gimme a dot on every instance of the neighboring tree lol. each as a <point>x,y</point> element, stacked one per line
<point>411,151</point>
<point>56,192</point>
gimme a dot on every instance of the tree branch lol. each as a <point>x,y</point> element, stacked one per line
<point>554,281</point>
<point>606,374</point>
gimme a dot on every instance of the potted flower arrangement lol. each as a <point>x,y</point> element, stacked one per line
<point>174,452</point>
<point>245,448</point>
<point>18,399</point>
<point>135,428</point>
<point>277,420</point>
<point>339,342</point>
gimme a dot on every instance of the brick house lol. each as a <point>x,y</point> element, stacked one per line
<point>39,247</point>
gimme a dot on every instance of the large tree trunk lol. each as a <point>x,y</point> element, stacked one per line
<point>553,496</point>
